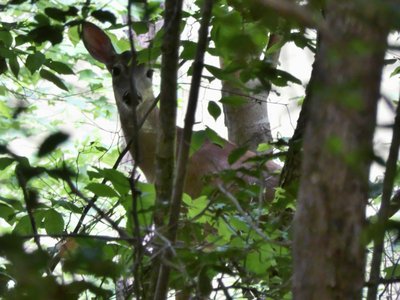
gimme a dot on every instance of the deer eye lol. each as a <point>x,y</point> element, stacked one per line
<point>115,71</point>
<point>149,73</point>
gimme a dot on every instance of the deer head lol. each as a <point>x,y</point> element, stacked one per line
<point>132,85</point>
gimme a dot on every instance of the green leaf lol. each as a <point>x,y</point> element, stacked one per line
<point>6,38</point>
<point>35,61</point>
<point>55,13</point>
<point>198,138</point>
<point>5,111</point>
<point>233,100</point>
<point>204,284</point>
<point>42,20</point>
<point>104,16</point>
<point>196,206</point>
<point>283,78</point>
<point>236,154</point>
<point>5,162</point>
<point>51,143</point>
<point>214,137</point>
<point>259,262</point>
<point>189,50</point>
<point>53,34</point>
<point>263,147</point>
<point>392,271</point>
<point>59,67</point>
<point>14,66</point>
<point>67,205</point>
<point>101,190</point>
<point>214,109</point>
<point>140,27</point>
<point>53,222</point>
<point>3,65</point>
<point>395,72</point>
<point>23,226</point>
<point>217,72</point>
<point>6,211</point>
<point>118,180</point>
<point>73,35</point>
<point>59,14</point>
<point>45,74</point>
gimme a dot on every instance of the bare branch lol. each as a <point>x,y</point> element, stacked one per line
<point>384,210</point>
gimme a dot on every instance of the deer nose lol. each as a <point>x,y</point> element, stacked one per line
<point>126,98</point>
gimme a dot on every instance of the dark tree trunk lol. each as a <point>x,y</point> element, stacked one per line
<point>328,248</point>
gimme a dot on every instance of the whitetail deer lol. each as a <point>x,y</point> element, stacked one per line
<point>210,158</point>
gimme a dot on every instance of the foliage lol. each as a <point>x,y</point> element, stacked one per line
<point>228,243</point>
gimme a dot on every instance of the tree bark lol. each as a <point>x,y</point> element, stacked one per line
<point>328,249</point>
<point>165,152</point>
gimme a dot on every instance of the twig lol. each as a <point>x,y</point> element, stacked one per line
<point>95,197</point>
<point>27,197</point>
<point>369,284</point>
<point>224,289</point>
<point>81,236</point>
<point>122,233</point>
<point>384,210</point>
<point>115,166</point>
<point>249,219</point>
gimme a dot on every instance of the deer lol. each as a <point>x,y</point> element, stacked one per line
<point>129,76</point>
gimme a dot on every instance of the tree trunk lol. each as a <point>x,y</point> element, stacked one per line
<point>248,124</point>
<point>328,248</point>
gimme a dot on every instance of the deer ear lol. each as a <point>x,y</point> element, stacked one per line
<point>98,43</point>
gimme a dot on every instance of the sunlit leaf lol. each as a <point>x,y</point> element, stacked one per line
<point>101,190</point>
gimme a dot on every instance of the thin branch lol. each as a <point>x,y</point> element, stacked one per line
<point>81,236</point>
<point>184,143</point>
<point>116,164</point>
<point>384,210</point>
<point>249,219</point>
<point>28,194</point>
<point>392,280</point>
<point>122,233</point>
<point>95,197</point>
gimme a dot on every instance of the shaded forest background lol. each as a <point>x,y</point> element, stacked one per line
<point>76,221</point>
